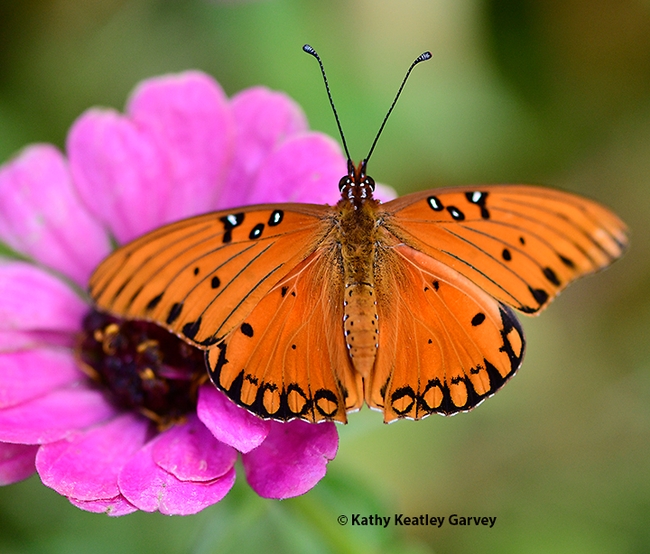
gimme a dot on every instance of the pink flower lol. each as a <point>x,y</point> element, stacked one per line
<point>182,148</point>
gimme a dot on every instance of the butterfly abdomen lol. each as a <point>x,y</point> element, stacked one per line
<point>360,324</point>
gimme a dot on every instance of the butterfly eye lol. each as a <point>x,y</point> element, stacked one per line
<point>370,182</point>
<point>345,181</point>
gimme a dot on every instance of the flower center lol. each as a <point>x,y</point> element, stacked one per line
<point>141,366</point>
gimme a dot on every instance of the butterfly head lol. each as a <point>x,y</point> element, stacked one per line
<point>357,187</point>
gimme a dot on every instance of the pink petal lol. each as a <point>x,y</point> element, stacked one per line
<point>41,216</point>
<point>264,120</point>
<point>31,299</point>
<point>292,459</point>
<point>384,192</point>
<point>85,465</point>
<point>149,487</point>
<point>117,506</point>
<point>306,168</point>
<point>191,453</point>
<point>53,416</point>
<point>27,374</point>
<point>12,341</point>
<point>228,422</point>
<point>120,173</point>
<point>190,118</point>
<point>16,462</point>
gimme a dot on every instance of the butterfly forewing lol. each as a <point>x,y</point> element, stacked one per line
<point>200,277</point>
<point>521,244</point>
<point>444,344</point>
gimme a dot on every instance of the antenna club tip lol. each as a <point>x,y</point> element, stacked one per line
<point>425,56</point>
<point>307,48</point>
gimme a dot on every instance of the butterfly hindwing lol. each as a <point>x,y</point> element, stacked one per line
<point>201,276</point>
<point>288,358</point>
<point>444,344</point>
<point>521,244</point>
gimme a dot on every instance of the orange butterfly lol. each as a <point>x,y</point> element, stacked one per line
<point>306,311</point>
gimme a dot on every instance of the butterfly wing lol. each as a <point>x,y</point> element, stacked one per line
<point>444,343</point>
<point>201,276</point>
<point>288,358</point>
<point>454,262</point>
<point>521,244</point>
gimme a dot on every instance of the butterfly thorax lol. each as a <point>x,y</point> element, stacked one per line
<point>357,187</point>
<point>358,234</point>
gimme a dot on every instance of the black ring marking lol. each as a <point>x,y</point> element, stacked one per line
<point>456,213</point>
<point>435,204</point>
<point>326,394</point>
<point>256,232</point>
<point>276,218</point>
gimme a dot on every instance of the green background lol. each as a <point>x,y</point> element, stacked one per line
<point>554,92</point>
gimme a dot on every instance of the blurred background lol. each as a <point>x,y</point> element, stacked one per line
<point>554,92</point>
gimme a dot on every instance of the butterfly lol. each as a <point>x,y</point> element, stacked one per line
<point>307,311</point>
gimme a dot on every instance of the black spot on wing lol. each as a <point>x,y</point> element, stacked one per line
<point>246,329</point>
<point>191,329</point>
<point>506,255</point>
<point>215,282</point>
<point>540,295</point>
<point>567,261</point>
<point>551,276</point>
<point>478,319</point>
<point>154,302</point>
<point>174,312</point>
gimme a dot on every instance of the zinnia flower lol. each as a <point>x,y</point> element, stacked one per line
<point>108,413</point>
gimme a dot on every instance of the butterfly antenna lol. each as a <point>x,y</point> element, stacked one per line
<point>421,58</point>
<point>313,52</point>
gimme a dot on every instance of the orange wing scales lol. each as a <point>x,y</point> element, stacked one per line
<point>200,277</point>
<point>288,358</point>
<point>521,244</point>
<point>444,344</point>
